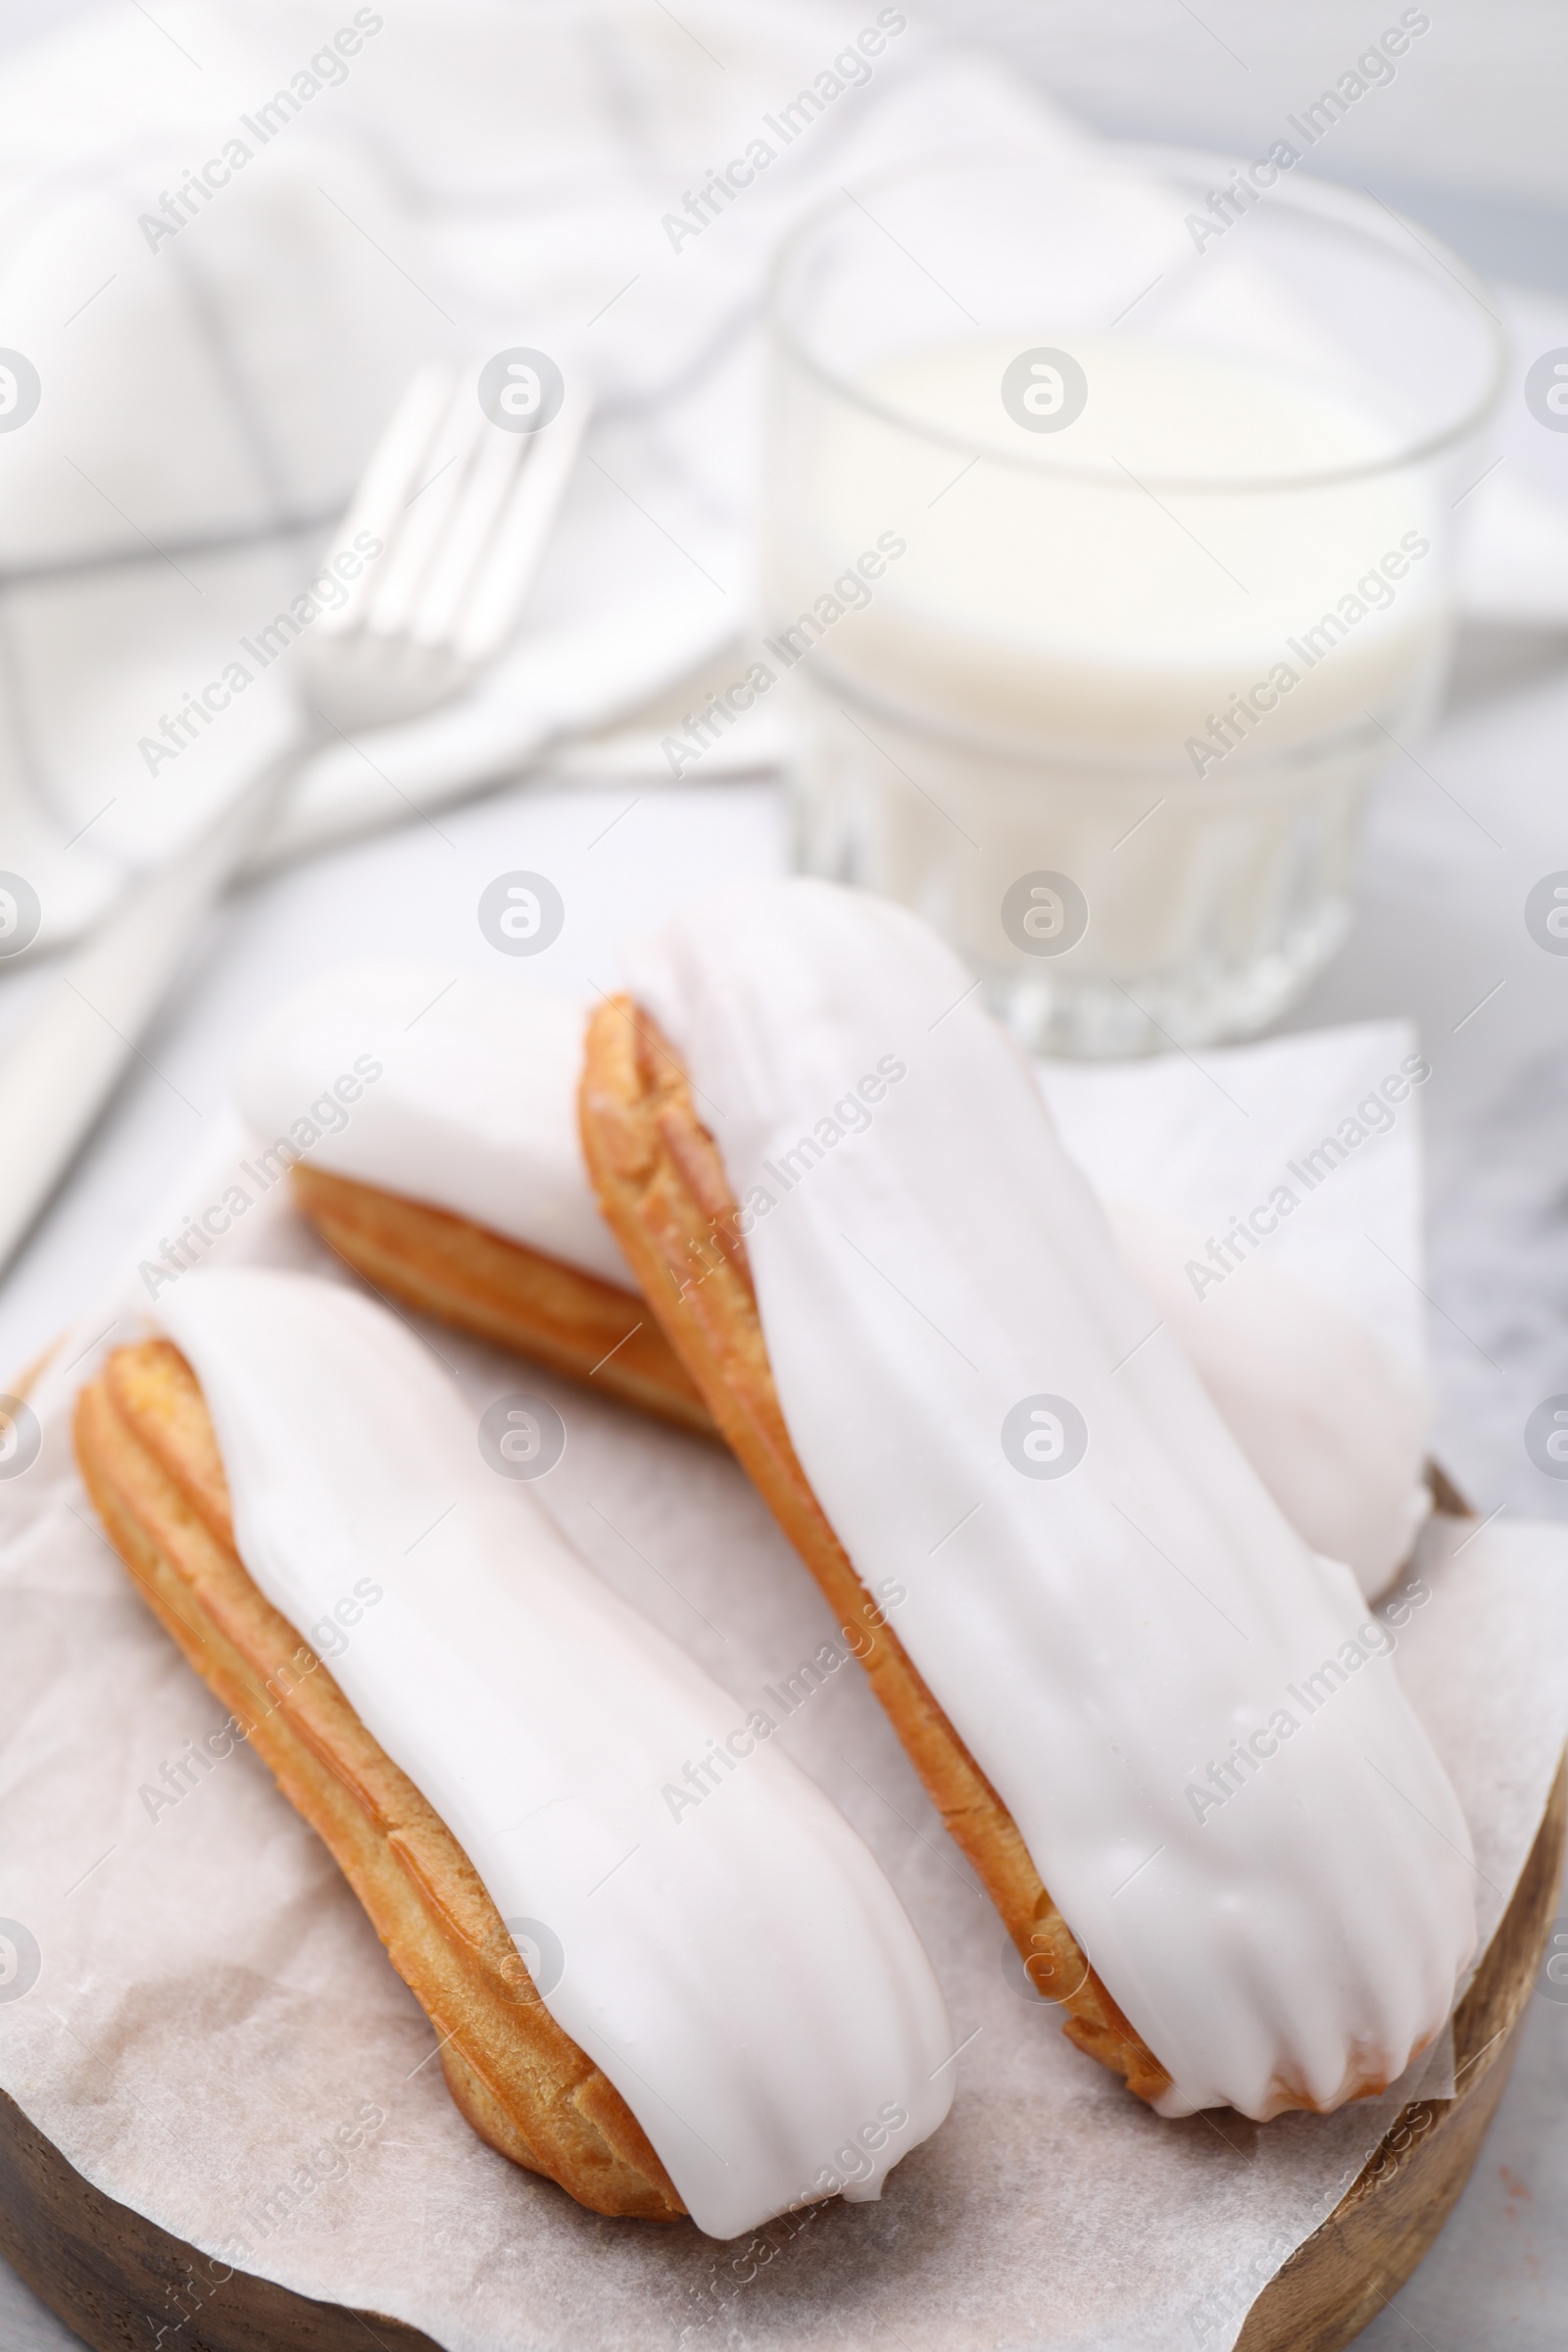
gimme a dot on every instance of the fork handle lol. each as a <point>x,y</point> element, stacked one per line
<point>57,1073</point>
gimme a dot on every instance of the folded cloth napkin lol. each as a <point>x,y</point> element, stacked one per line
<point>224,246</point>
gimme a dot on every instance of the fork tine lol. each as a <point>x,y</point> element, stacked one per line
<point>425,512</point>
<point>464,509</point>
<point>503,580</point>
<point>481,501</point>
<point>377,504</point>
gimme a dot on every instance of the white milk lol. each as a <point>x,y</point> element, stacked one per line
<point>1056,640</point>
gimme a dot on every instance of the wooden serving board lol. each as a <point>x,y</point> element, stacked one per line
<point>115,2278</point>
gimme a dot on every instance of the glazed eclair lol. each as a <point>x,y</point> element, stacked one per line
<point>451,1178</point>
<point>1166,1733</point>
<point>432,1127</point>
<point>666,2009</point>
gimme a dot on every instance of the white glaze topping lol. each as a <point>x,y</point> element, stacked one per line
<point>1332,1419</point>
<point>475,1111</point>
<point>1294,1915</point>
<point>740,1969</point>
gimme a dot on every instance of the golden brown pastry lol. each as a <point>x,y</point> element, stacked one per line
<point>503,1292</point>
<point>151,1462</point>
<point>663,1188</point>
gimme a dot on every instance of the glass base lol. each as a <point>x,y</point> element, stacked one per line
<point>1093,1020</point>
<point>1110,907</point>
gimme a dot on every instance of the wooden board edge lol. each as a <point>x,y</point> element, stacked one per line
<point>1341,2277</point>
<point>117,2278</point>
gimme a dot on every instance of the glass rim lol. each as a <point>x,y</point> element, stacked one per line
<point>1342,208</point>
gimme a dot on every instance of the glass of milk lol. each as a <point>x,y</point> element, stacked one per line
<point>1111,501</point>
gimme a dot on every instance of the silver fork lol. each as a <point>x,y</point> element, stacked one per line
<point>462,509</point>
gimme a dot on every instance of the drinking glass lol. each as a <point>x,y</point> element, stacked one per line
<point>1109,529</point>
